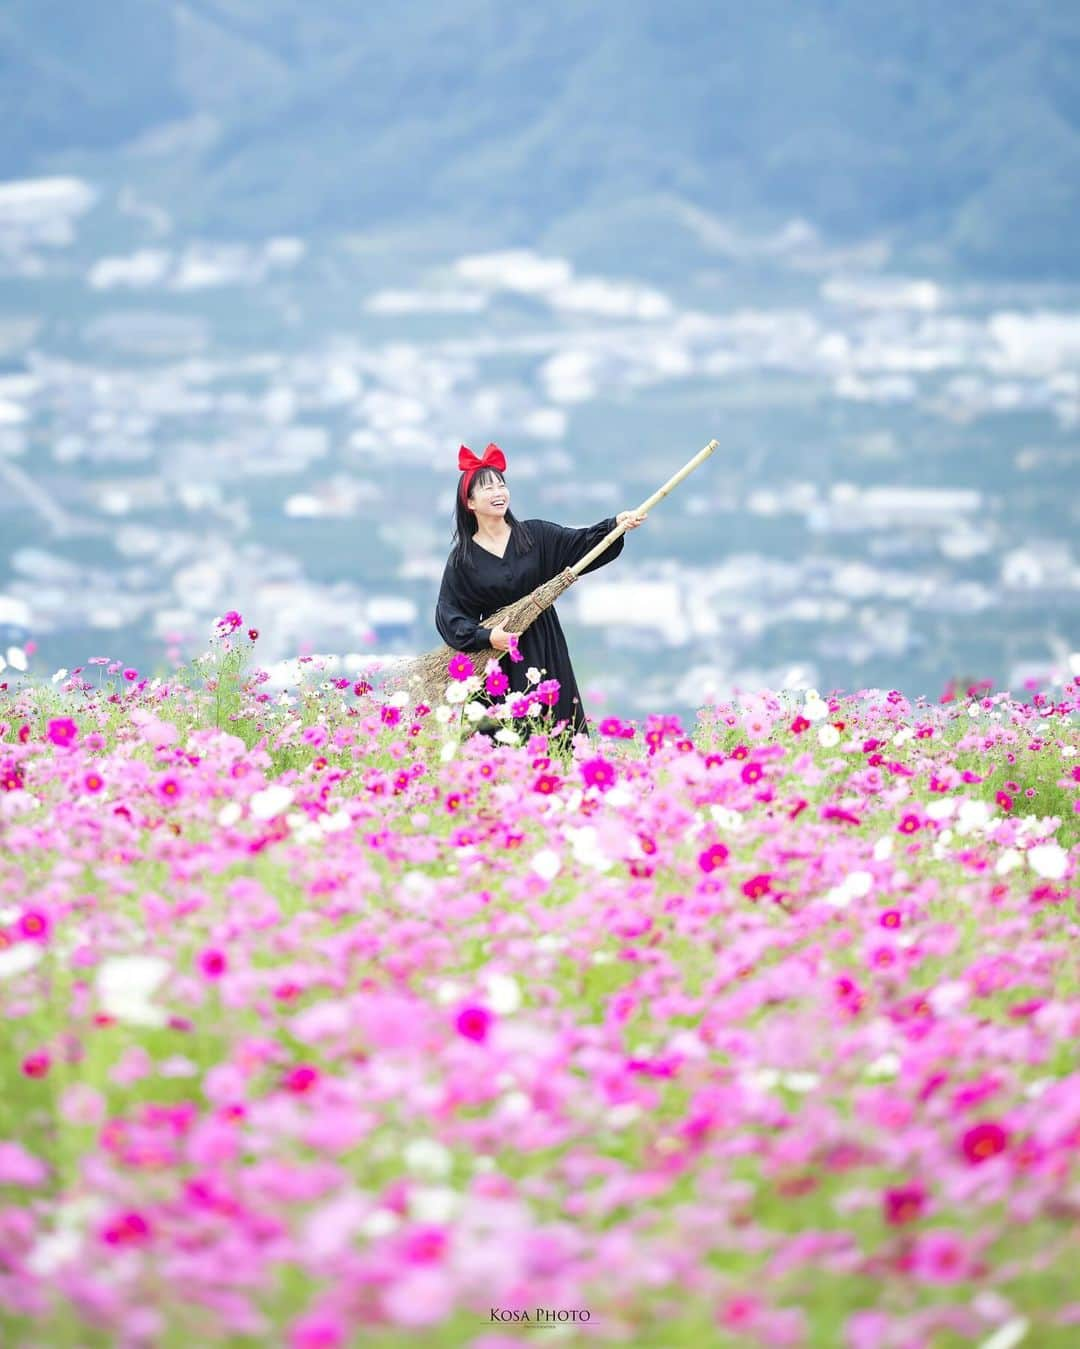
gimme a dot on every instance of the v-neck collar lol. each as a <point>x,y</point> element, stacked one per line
<point>500,557</point>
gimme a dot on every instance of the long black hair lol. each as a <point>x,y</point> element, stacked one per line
<point>465,521</point>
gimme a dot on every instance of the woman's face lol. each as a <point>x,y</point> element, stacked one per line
<point>489,499</point>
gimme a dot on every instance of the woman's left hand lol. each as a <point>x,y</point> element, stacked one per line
<point>631,518</point>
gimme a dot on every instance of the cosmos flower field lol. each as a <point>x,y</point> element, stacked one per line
<point>327,1023</point>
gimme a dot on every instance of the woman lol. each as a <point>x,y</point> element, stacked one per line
<point>497,559</point>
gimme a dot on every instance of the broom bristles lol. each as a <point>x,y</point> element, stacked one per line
<point>426,677</point>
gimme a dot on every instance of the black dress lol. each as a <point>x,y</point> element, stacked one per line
<point>486,583</point>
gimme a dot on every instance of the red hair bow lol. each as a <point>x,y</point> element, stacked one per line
<point>493,457</point>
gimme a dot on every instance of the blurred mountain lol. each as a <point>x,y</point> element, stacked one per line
<point>953,130</point>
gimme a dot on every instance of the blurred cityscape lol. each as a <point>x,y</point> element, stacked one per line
<point>190,427</point>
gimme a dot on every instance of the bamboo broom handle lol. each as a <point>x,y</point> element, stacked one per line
<point>656,497</point>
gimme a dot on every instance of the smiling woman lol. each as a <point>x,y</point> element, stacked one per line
<point>497,559</point>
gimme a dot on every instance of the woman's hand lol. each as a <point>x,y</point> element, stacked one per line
<point>500,639</point>
<point>632,518</point>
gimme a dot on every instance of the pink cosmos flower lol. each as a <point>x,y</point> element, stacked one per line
<point>169,788</point>
<point>93,782</point>
<point>739,1313</point>
<point>19,1167</point>
<point>512,649</point>
<point>213,963</point>
<point>712,857</point>
<point>317,1331</point>
<point>301,1079</point>
<point>496,683</point>
<point>229,622</point>
<point>460,667</point>
<point>37,1064</point>
<point>983,1141</point>
<point>34,925</point>
<point>757,886</point>
<point>474,1022</point>
<point>940,1256</point>
<point>131,674</point>
<point>62,731</point>
<point>598,773</point>
<point>126,1229</point>
<point>548,692</point>
<point>425,1245</point>
<point>520,707</point>
<point>903,1204</point>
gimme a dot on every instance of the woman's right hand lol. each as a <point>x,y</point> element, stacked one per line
<point>500,639</point>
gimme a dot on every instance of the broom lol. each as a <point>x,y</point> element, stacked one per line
<point>427,676</point>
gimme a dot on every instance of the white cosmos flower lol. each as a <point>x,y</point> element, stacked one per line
<point>546,864</point>
<point>972,816</point>
<point>16,657</point>
<point>456,692</point>
<point>17,959</point>
<point>505,737</point>
<point>762,1079</point>
<point>725,818</point>
<point>586,848</point>
<point>443,713</point>
<point>941,807</point>
<point>125,985</point>
<point>1048,860</point>
<point>885,1065</point>
<point>948,996</point>
<point>433,1203</point>
<point>448,751</point>
<point>619,1116</point>
<point>380,1223</point>
<point>271,801</point>
<point>800,1081</point>
<point>502,993</point>
<point>532,675</point>
<point>425,1157</point>
<point>828,736</point>
<point>814,709</point>
<point>475,711</point>
<point>1009,860</point>
<point>229,813</point>
<point>1009,1335</point>
<point>60,674</point>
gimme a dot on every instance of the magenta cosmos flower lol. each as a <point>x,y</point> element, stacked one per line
<point>62,731</point>
<point>474,1022</point>
<point>598,773</point>
<point>460,666</point>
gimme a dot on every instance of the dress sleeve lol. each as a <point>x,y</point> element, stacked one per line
<point>564,547</point>
<point>457,620</point>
